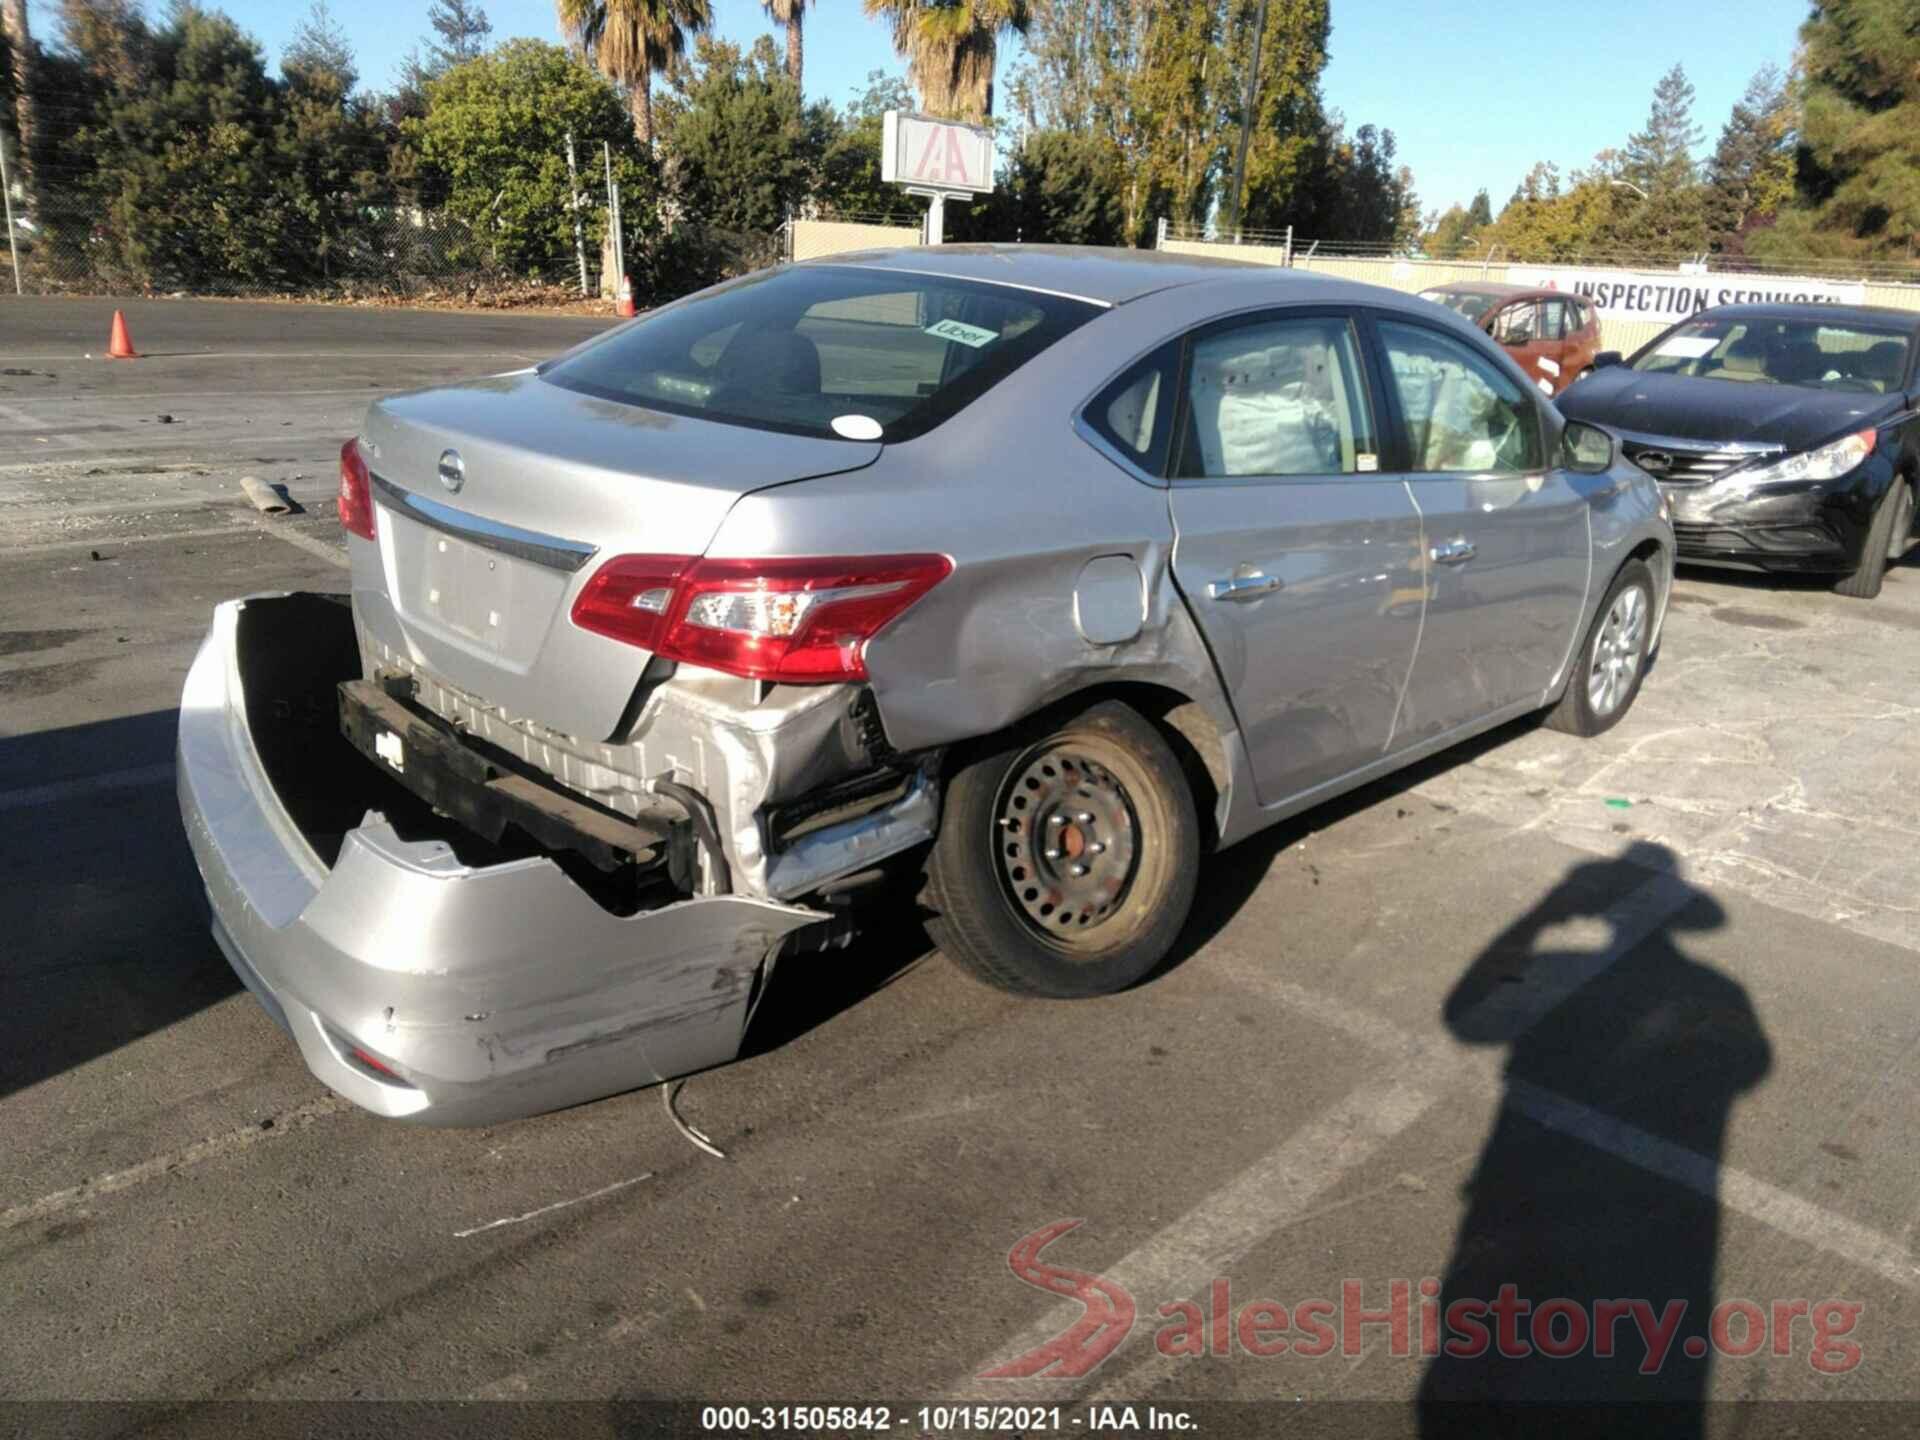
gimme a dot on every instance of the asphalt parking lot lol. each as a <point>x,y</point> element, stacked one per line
<point>1634,1018</point>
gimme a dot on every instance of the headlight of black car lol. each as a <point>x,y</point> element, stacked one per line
<point>1828,462</point>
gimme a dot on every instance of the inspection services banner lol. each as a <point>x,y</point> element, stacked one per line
<point>1668,296</point>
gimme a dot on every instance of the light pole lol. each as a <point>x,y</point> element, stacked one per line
<point>1247,120</point>
<point>1629,185</point>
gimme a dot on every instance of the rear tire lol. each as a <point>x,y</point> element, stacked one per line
<point>1067,856</point>
<point>1612,662</point>
<point>1886,541</point>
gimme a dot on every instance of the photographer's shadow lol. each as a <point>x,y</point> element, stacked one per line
<point>1654,1041</point>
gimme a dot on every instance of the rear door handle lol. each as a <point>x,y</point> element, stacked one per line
<point>1244,587</point>
<point>1453,552</point>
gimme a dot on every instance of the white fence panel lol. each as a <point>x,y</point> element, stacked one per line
<point>811,239</point>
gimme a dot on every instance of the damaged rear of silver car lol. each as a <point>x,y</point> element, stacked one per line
<point>425,972</point>
<point>663,659</point>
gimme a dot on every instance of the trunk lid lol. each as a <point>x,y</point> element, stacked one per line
<point>481,557</point>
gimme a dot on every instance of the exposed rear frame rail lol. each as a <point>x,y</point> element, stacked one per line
<point>439,767</point>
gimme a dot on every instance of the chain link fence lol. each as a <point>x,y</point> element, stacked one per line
<point>400,252</point>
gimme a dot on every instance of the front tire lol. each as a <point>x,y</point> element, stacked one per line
<point>1609,667</point>
<point>1067,856</point>
<point>1886,542</point>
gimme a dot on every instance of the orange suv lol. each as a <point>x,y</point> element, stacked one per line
<point>1553,336</point>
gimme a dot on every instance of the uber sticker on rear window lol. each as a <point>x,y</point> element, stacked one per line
<point>964,333</point>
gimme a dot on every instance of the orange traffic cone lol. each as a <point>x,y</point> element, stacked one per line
<point>624,306</point>
<point>120,344</point>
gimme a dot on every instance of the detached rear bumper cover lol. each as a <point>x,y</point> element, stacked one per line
<point>489,994</point>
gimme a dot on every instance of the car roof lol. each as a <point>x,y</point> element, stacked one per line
<point>1085,272</point>
<point>1501,290</point>
<point>1842,314</point>
<point>1479,287</point>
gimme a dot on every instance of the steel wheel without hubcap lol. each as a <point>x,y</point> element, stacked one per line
<point>1065,863</point>
<point>1616,651</point>
<point>1068,841</point>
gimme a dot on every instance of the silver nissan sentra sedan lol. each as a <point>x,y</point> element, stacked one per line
<point>1024,575</point>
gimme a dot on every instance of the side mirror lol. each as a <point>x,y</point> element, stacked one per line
<point>1586,449</point>
<point>1608,357</point>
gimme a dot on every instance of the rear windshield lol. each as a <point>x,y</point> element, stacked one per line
<point>1470,303</point>
<point>848,354</point>
<point>1809,353</point>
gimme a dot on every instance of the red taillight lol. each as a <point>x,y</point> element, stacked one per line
<point>798,620</point>
<point>356,492</point>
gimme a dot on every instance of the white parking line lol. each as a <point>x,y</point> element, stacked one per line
<point>549,1209</point>
<point>1182,1258</point>
<point>1734,1189</point>
<point>332,554</point>
<point>1274,1191</point>
<point>55,791</point>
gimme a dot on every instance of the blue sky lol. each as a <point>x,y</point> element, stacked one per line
<point>1474,93</point>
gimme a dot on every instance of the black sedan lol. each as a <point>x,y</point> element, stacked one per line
<point>1785,437</point>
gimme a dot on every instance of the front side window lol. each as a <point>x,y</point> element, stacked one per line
<point>824,351</point>
<point>1461,412</point>
<point>1276,397</point>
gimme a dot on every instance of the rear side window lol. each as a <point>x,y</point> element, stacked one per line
<point>1461,412</point>
<point>1135,413</point>
<point>1517,324</point>
<point>1554,324</point>
<point>816,350</point>
<point>1276,397</point>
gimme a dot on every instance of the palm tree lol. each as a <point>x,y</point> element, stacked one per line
<point>787,13</point>
<point>632,40</point>
<point>950,47</point>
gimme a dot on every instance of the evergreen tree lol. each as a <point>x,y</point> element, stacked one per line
<point>849,173</point>
<point>742,154</point>
<point>1858,166</point>
<point>1063,188</point>
<point>1750,177</point>
<point>331,153</point>
<point>493,141</point>
<point>319,54</point>
<point>1450,234</point>
<point>186,191</point>
<point>1671,219</point>
<point>1480,212</point>
<point>463,29</point>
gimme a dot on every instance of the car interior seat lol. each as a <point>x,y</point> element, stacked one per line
<point>1881,365</point>
<point>1745,359</point>
<point>782,361</point>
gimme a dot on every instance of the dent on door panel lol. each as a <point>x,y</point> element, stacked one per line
<point>1315,667</point>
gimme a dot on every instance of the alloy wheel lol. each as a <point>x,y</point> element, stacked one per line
<point>1617,651</point>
